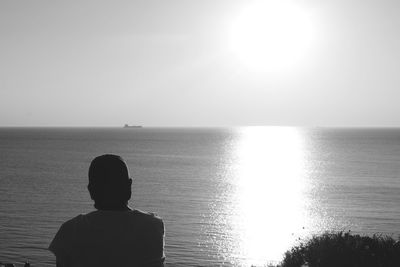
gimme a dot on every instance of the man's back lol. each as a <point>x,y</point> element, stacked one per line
<point>111,238</point>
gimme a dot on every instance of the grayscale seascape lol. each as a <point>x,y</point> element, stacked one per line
<point>228,196</point>
<point>263,133</point>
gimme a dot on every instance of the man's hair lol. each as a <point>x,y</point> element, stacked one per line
<point>108,168</point>
<point>108,180</point>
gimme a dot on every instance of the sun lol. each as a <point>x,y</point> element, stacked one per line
<point>271,35</point>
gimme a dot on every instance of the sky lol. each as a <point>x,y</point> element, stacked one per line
<point>200,63</point>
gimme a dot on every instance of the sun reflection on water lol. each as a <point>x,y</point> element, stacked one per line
<point>269,193</point>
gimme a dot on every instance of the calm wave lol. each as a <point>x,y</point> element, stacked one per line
<point>232,197</point>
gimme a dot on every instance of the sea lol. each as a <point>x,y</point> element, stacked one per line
<point>228,196</point>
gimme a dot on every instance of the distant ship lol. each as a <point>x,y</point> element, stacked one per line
<point>132,126</point>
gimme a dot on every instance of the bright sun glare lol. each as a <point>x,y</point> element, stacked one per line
<point>271,35</point>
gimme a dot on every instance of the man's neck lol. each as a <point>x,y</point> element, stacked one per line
<point>115,208</point>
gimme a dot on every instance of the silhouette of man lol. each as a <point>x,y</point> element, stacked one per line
<point>114,234</point>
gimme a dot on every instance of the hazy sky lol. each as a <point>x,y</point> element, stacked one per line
<point>175,63</point>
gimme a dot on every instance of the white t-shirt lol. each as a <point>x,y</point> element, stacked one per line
<point>111,238</point>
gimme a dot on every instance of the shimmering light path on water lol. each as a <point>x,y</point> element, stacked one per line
<point>267,198</point>
<point>270,191</point>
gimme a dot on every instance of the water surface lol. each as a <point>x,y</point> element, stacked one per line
<point>228,196</point>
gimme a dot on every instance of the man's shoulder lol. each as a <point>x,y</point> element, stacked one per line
<point>148,216</point>
<point>149,220</point>
<point>68,224</point>
<point>64,237</point>
<point>151,225</point>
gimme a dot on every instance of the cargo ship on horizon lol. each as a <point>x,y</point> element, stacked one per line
<point>132,126</point>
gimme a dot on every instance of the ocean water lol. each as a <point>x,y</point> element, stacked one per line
<point>228,196</point>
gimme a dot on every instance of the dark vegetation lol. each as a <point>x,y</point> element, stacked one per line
<point>344,249</point>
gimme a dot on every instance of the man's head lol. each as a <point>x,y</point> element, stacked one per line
<point>109,182</point>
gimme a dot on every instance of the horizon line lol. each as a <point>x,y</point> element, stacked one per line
<point>201,126</point>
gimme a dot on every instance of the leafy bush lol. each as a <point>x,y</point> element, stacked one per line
<point>344,250</point>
